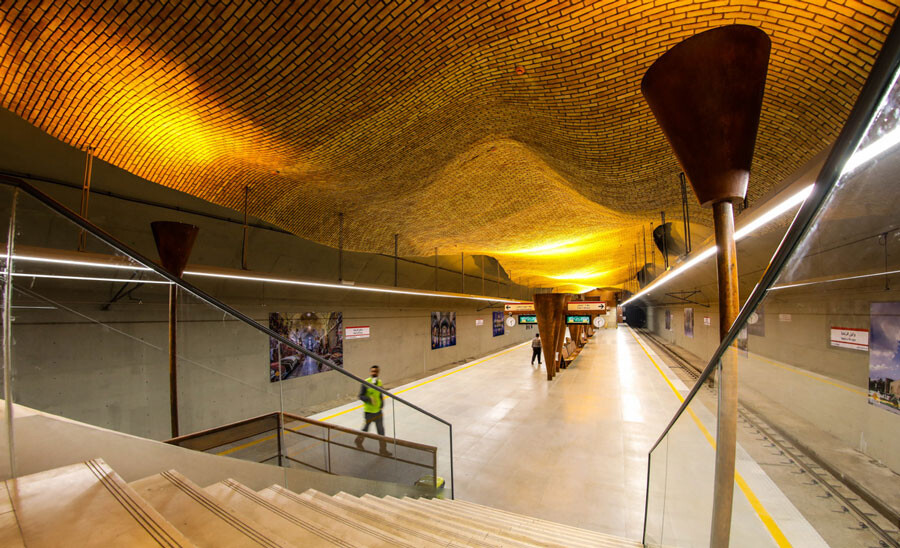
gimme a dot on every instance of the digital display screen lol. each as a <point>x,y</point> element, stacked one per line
<point>527,319</point>
<point>578,320</point>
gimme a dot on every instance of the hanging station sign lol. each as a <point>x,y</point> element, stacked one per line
<point>587,306</point>
<point>518,307</point>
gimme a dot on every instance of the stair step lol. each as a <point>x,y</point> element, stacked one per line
<point>514,537</point>
<point>244,501</point>
<point>10,535</point>
<point>86,504</point>
<point>372,536</point>
<point>413,535</point>
<point>202,520</point>
<point>462,535</point>
<point>528,531</point>
<point>458,536</point>
<point>562,529</point>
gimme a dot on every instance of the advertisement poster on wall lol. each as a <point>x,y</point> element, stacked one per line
<point>668,320</point>
<point>884,356</point>
<point>756,323</point>
<point>689,323</point>
<point>499,328</point>
<point>443,329</point>
<point>319,332</point>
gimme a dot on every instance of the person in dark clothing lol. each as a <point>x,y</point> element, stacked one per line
<point>373,403</point>
<point>536,348</point>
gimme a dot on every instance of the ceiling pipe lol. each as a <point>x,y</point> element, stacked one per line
<point>706,94</point>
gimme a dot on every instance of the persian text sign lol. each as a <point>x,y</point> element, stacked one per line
<point>596,306</point>
<point>358,332</point>
<point>848,337</point>
<point>518,307</point>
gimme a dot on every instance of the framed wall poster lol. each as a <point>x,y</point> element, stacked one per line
<point>668,320</point>
<point>318,332</point>
<point>884,356</point>
<point>443,329</point>
<point>499,327</point>
<point>689,323</point>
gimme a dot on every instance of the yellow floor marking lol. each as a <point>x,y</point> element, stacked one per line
<point>810,375</point>
<point>345,411</point>
<point>754,501</point>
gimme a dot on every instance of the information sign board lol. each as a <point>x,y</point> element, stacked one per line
<point>578,320</point>
<point>849,337</point>
<point>518,307</point>
<point>358,332</point>
<point>584,306</point>
<point>529,319</point>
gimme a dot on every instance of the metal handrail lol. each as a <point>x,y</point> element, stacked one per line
<point>877,84</point>
<point>123,248</point>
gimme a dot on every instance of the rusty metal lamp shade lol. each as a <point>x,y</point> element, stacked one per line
<point>706,93</point>
<point>174,242</point>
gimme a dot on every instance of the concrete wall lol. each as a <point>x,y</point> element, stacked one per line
<point>794,366</point>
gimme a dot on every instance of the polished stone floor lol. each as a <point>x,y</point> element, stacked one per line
<point>574,450</point>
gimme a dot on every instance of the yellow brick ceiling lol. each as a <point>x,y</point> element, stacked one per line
<point>512,129</point>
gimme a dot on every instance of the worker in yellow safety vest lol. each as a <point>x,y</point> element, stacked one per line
<point>373,402</point>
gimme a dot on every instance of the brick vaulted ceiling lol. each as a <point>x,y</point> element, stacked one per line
<point>512,129</point>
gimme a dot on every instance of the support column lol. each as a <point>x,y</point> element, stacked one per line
<point>549,308</point>
<point>174,242</point>
<point>706,93</point>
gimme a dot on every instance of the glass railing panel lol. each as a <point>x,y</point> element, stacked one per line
<point>223,367</point>
<point>91,343</point>
<point>820,370</point>
<point>89,330</point>
<point>690,462</point>
<point>6,206</point>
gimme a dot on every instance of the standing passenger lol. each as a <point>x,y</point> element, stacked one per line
<point>536,348</point>
<point>373,403</point>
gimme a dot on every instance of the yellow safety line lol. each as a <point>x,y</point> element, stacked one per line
<point>811,376</point>
<point>345,411</point>
<point>754,501</point>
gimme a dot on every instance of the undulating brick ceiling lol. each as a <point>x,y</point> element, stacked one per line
<point>512,129</point>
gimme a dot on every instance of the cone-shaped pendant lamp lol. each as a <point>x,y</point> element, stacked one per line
<point>174,242</point>
<point>706,93</point>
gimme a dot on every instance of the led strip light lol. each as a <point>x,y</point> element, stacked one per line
<point>286,281</point>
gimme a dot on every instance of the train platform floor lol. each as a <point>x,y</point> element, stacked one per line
<point>574,449</point>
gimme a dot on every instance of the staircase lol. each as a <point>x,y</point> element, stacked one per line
<point>88,504</point>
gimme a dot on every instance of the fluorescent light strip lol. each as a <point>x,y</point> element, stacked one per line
<point>30,258</point>
<point>341,286</point>
<point>861,276</point>
<point>879,147</point>
<point>89,278</point>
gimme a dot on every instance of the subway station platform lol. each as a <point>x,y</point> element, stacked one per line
<point>574,450</point>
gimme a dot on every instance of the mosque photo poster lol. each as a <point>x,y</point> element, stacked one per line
<point>689,323</point>
<point>884,356</point>
<point>443,329</point>
<point>318,332</point>
<point>499,328</point>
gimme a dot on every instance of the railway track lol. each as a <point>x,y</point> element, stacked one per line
<point>869,522</point>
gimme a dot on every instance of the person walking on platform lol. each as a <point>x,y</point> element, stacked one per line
<point>536,348</point>
<point>373,402</point>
